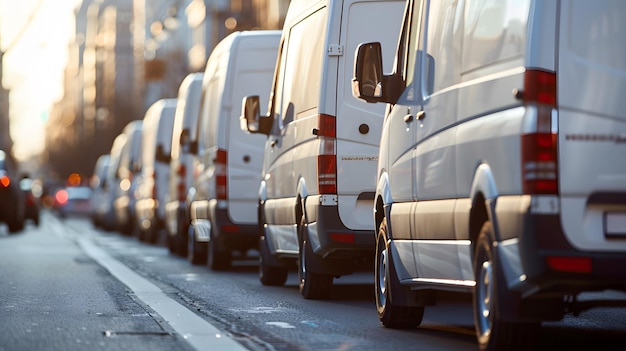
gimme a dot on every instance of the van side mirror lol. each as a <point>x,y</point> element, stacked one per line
<point>367,83</point>
<point>161,155</point>
<point>251,120</point>
<point>193,147</point>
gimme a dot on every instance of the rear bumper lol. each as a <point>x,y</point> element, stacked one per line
<point>331,239</point>
<point>543,240</point>
<point>228,235</point>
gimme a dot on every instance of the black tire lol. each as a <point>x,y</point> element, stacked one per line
<point>270,275</point>
<point>489,297</point>
<point>171,244</point>
<point>313,286</point>
<point>217,259</point>
<point>391,315</point>
<point>181,240</point>
<point>197,251</point>
<point>15,226</point>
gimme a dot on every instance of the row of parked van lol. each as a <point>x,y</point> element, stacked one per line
<point>456,145</point>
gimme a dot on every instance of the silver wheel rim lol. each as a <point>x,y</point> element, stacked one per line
<point>382,278</point>
<point>485,297</point>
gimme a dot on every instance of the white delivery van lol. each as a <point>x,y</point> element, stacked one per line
<point>317,191</point>
<point>223,211</point>
<point>184,150</point>
<point>113,177</point>
<point>501,168</point>
<point>127,170</point>
<point>101,197</point>
<point>155,169</point>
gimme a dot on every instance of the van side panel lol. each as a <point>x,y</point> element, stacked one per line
<point>252,74</point>
<point>591,80</point>
<point>297,96</point>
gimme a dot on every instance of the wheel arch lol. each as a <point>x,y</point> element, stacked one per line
<point>483,195</point>
<point>382,202</point>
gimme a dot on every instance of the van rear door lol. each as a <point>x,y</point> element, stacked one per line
<point>252,73</point>
<point>359,123</point>
<point>591,81</point>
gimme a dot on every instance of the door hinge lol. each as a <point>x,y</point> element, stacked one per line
<point>335,50</point>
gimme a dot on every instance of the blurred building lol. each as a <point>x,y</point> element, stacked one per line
<point>127,55</point>
<point>5,137</point>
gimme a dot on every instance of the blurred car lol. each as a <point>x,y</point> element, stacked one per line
<point>152,187</point>
<point>73,201</point>
<point>126,152</point>
<point>184,151</point>
<point>11,197</point>
<point>32,198</point>
<point>102,195</point>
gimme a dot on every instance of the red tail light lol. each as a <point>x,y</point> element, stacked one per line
<point>30,200</point>
<point>327,159</point>
<point>61,197</point>
<point>344,238</point>
<point>5,181</point>
<point>154,186</point>
<point>221,174</point>
<point>570,264</point>
<point>539,142</point>
<point>182,188</point>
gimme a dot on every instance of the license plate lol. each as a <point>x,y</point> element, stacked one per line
<point>615,224</point>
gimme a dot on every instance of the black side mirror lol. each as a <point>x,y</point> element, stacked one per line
<point>367,83</point>
<point>193,147</point>
<point>251,120</point>
<point>161,155</point>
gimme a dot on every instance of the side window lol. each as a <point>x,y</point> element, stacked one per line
<point>210,104</point>
<point>494,31</point>
<point>410,44</point>
<point>301,72</point>
<point>443,42</point>
<point>411,37</point>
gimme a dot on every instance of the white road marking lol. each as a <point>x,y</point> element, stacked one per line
<point>195,330</point>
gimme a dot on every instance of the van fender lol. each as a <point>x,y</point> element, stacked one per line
<point>484,185</point>
<point>383,190</point>
<point>199,210</point>
<point>301,189</point>
<point>262,191</point>
<point>200,230</point>
<point>382,200</point>
<point>302,194</point>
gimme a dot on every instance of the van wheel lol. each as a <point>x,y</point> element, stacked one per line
<point>391,315</point>
<point>15,226</point>
<point>197,251</point>
<point>181,240</point>
<point>270,275</point>
<point>313,286</point>
<point>217,260</point>
<point>489,296</point>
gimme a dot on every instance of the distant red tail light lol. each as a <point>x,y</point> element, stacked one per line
<point>5,181</point>
<point>61,197</point>
<point>182,187</point>
<point>221,174</point>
